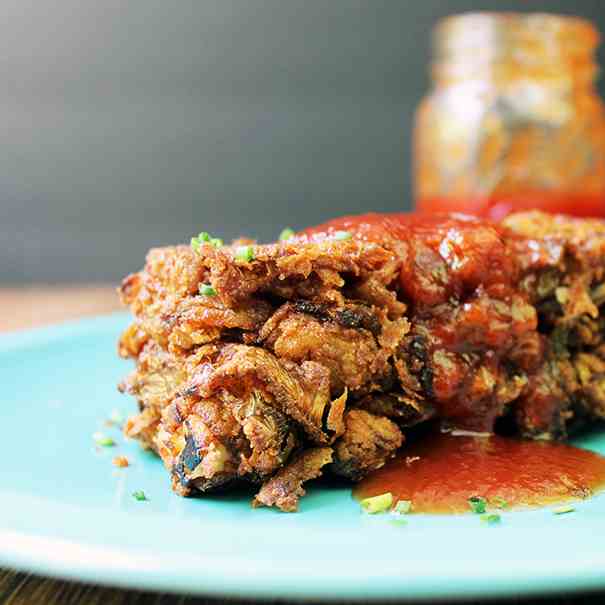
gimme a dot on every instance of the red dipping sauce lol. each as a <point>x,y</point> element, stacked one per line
<point>439,473</point>
<point>445,253</point>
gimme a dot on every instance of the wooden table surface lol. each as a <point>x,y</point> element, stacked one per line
<point>22,308</point>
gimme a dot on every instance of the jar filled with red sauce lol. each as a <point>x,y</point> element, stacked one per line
<point>513,121</point>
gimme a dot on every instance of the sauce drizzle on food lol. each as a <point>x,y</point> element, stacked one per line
<point>439,473</point>
<point>460,283</point>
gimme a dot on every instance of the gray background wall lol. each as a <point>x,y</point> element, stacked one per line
<point>130,124</point>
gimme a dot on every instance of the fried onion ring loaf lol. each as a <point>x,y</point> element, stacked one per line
<point>270,364</point>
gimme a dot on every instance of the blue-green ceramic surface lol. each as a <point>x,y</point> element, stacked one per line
<point>67,512</point>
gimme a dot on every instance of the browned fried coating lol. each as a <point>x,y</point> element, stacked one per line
<point>302,391</point>
<point>354,342</point>
<point>291,269</point>
<point>406,409</point>
<point>284,489</point>
<point>368,442</point>
<point>170,309</point>
<point>155,382</point>
<point>218,441</point>
<point>205,441</point>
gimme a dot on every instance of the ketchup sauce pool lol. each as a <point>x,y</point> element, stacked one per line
<point>440,472</point>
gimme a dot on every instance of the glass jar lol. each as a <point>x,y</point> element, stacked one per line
<point>513,120</point>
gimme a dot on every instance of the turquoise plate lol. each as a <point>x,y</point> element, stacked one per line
<point>67,512</point>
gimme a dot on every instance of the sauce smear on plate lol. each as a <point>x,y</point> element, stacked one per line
<point>440,472</point>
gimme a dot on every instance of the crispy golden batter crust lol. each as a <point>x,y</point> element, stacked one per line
<point>284,489</point>
<point>368,441</point>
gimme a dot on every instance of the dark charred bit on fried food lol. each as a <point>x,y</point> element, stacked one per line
<point>218,440</point>
<point>284,489</point>
<point>205,461</point>
<point>368,442</point>
<point>405,409</point>
<point>352,315</point>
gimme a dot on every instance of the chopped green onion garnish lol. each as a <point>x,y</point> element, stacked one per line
<point>563,510</point>
<point>287,233</point>
<point>244,253</point>
<point>490,519</point>
<point>342,235</point>
<point>103,440</point>
<point>501,503</point>
<point>139,495</point>
<point>116,417</point>
<point>207,290</point>
<point>377,504</point>
<point>202,238</point>
<point>398,522</point>
<point>205,238</point>
<point>477,504</point>
<point>403,507</point>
